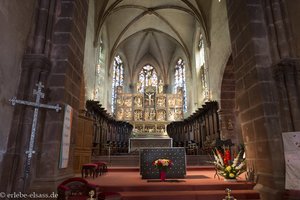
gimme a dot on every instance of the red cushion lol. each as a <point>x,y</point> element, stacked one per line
<point>74,179</point>
<point>62,187</point>
<point>89,165</point>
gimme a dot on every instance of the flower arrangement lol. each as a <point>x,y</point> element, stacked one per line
<point>227,168</point>
<point>162,163</point>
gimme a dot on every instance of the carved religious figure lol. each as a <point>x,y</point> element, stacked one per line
<point>146,115</point>
<point>179,101</point>
<point>128,113</point>
<point>137,115</point>
<point>161,115</point>
<point>149,98</point>
<point>178,114</point>
<point>161,101</point>
<point>120,114</point>
<point>171,115</point>
<point>138,101</point>
<point>152,114</point>
<point>160,87</point>
<point>138,87</point>
<point>128,101</point>
<point>119,100</point>
<point>171,101</point>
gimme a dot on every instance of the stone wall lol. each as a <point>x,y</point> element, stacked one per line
<point>256,97</point>
<point>15,24</point>
<point>64,82</point>
<point>54,56</point>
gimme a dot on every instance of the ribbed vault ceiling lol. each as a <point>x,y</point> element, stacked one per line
<point>151,31</point>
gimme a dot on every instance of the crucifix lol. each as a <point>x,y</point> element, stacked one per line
<point>149,94</point>
<point>39,95</point>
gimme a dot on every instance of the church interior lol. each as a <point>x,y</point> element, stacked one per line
<point>103,88</point>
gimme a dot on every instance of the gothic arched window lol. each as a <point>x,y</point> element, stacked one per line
<point>118,71</point>
<point>180,81</point>
<point>147,77</point>
<point>202,68</point>
<point>100,74</point>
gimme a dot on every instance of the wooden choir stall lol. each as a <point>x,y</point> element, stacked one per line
<point>197,133</point>
<point>110,136</point>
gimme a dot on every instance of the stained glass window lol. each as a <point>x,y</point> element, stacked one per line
<point>147,77</point>
<point>179,82</point>
<point>201,51</point>
<point>118,72</point>
<point>203,69</point>
<point>99,74</point>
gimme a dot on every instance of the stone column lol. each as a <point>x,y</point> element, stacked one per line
<point>256,97</point>
<point>35,68</point>
<point>287,74</point>
<point>64,82</point>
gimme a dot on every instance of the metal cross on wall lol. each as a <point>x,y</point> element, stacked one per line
<point>39,94</point>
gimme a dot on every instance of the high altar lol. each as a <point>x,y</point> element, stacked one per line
<point>149,112</point>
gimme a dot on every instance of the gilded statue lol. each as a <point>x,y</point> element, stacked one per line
<point>161,101</point>
<point>160,87</point>
<point>120,113</point>
<point>179,114</point>
<point>150,98</point>
<point>128,102</point>
<point>171,115</point>
<point>119,100</point>
<point>128,113</point>
<point>137,115</point>
<point>179,101</point>
<point>161,115</point>
<point>171,101</point>
<point>138,87</point>
<point>152,114</point>
<point>138,101</point>
<point>146,115</point>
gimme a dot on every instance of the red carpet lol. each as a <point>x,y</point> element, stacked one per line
<point>198,184</point>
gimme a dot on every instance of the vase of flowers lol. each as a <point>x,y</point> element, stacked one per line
<point>228,168</point>
<point>162,165</point>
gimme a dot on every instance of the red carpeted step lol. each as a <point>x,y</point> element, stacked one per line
<point>182,187</point>
<point>199,184</point>
<point>190,195</point>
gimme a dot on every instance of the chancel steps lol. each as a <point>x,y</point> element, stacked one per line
<point>199,184</point>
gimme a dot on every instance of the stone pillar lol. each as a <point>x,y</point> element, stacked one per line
<point>256,97</point>
<point>35,68</point>
<point>64,82</point>
<point>287,74</point>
